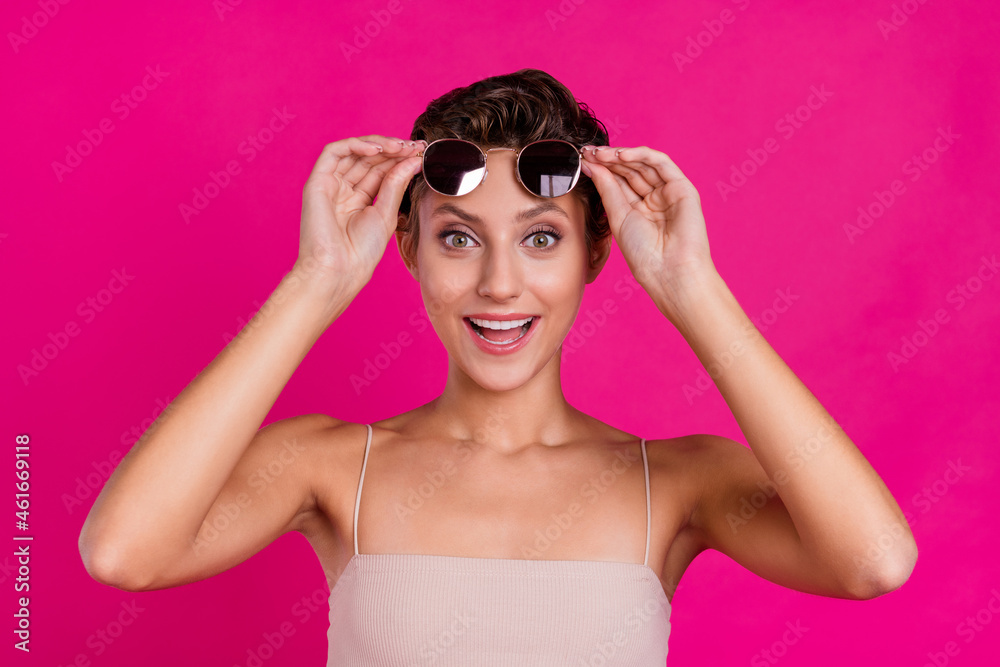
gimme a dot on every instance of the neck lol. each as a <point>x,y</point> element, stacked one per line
<point>507,421</point>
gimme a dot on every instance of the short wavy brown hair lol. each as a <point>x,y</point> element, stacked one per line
<point>508,111</point>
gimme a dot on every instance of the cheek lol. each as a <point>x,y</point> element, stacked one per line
<point>442,289</point>
<point>556,284</point>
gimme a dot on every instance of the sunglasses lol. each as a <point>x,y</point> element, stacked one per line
<point>546,168</point>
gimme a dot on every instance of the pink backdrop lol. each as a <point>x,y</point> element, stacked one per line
<point>847,162</point>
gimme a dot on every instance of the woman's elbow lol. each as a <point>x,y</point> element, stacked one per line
<point>109,567</point>
<point>894,570</point>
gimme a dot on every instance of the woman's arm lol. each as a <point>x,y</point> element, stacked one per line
<point>805,509</point>
<point>156,522</point>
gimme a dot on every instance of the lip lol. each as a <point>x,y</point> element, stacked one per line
<point>500,350</point>
<point>501,318</point>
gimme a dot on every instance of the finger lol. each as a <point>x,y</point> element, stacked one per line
<point>373,175</point>
<point>393,186</point>
<point>613,196</point>
<point>642,179</point>
<point>647,171</point>
<point>661,162</point>
<point>393,151</point>
<point>369,176</point>
<point>332,154</point>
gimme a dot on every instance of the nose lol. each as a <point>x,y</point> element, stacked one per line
<point>501,277</point>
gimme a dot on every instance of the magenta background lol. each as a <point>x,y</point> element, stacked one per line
<point>194,283</point>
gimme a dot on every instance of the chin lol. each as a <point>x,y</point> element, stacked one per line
<point>500,379</point>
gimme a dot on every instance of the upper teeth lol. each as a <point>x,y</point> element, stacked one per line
<point>500,325</point>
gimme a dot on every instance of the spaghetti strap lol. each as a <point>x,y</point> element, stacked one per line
<point>357,500</point>
<point>645,468</point>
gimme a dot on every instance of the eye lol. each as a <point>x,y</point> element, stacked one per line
<point>459,239</point>
<point>544,238</point>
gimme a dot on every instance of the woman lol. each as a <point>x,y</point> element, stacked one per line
<point>499,524</point>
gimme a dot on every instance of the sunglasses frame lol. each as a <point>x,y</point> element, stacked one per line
<point>517,164</point>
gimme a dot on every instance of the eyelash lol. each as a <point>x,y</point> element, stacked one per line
<point>544,229</point>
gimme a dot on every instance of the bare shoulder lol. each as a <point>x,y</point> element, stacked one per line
<point>315,436</point>
<point>330,451</point>
<point>700,454</point>
<point>702,465</point>
<point>682,465</point>
<point>715,472</point>
<point>686,473</point>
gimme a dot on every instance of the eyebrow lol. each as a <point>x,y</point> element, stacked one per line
<point>522,215</point>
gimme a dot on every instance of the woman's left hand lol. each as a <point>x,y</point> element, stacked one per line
<point>655,215</point>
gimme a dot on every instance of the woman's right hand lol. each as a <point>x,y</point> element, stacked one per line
<point>343,234</point>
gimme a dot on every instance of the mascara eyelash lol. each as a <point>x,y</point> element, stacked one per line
<point>546,230</point>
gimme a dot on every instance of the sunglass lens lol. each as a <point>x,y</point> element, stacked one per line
<point>549,168</point>
<point>453,167</point>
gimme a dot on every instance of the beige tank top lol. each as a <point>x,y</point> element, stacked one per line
<point>419,609</point>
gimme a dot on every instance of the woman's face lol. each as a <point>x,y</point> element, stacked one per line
<point>500,254</point>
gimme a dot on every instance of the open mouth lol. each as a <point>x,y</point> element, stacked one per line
<point>498,332</point>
